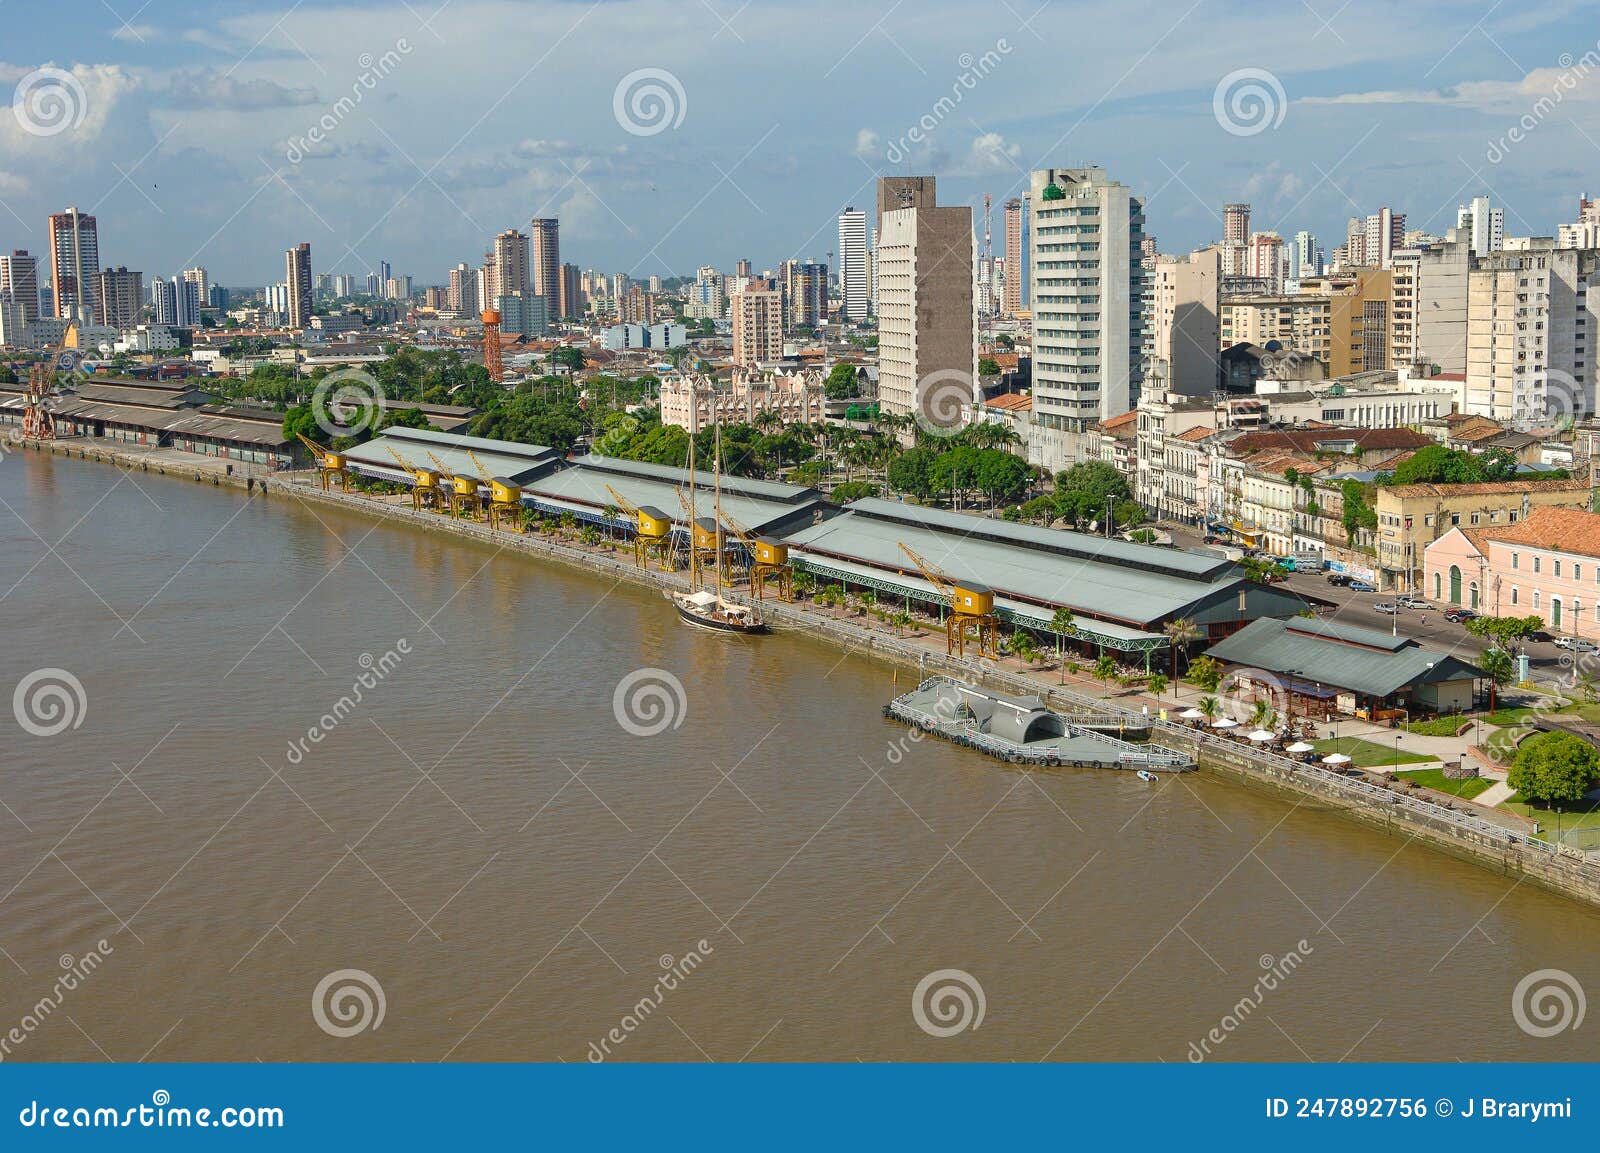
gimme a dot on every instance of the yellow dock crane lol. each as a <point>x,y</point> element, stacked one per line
<point>425,490</point>
<point>705,541</point>
<point>971,608</point>
<point>463,490</point>
<point>505,498</point>
<point>330,465</point>
<point>652,532</point>
<point>769,560</point>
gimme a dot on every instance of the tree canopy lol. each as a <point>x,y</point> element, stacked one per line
<point>1554,767</point>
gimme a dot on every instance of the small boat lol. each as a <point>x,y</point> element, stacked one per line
<point>1146,775</point>
<point>705,609</point>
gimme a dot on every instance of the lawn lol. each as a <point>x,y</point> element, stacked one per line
<point>1438,727</point>
<point>1590,713</point>
<point>1583,815</point>
<point>1435,779</point>
<point>1370,755</point>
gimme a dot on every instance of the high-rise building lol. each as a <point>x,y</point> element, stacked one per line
<point>119,297</point>
<point>1185,323</point>
<point>1385,233</point>
<point>374,284</point>
<point>1086,292</point>
<point>805,293</point>
<point>512,267</point>
<point>298,263</point>
<point>13,327</point>
<point>757,325</point>
<point>741,269</point>
<point>854,289</point>
<point>545,270</point>
<point>385,273</point>
<point>202,280</point>
<point>523,314</point>
<point>1483,227</point>
<point>19,279</point>
<point>163,302</point>
<point>1235,225</point>
<point>1265,260</point>
<point>927,318</point>
<point>218,299</point>
<point>569,302</point>
<point>186,303</point>
<point>462,295</point>
<point>1429,304</point>
<point>1011,301</point>
<point>74,263</point>
<point>1585,233</point>
<point>1305,258</point>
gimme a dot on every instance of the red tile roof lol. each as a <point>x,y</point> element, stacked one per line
<point>1557,529</point>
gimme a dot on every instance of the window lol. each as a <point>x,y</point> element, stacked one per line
<point>1455,518</point>
<point>1428,520</point>
<point>1474,518</point>
<point>1516,560</point>
<point>1536,561</point>
<point>1513,594</point>
<point>1557,563</point>
<point>1536,599</point>
<point>1577,572</point>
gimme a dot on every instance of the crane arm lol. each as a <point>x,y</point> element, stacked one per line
<point>400,460</point>
<point>935,576</point>
<point>317,451</point>
<point>439,464</point>
<point>483,474</point>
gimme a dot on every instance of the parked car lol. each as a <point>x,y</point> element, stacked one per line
<point>1458,616</point>
<point>1388,607</point>
<point>1576,644</point>
<point>1407,601</point>
<point>1363,587</point>
<point>1339,579</point>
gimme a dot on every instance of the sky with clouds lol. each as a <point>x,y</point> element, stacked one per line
<point>670,133</point>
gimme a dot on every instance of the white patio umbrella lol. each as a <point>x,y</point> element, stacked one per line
<point>1263,735</point>
<point>1224,723</point>
<point>1300,747</point>
<point>1191,715</point>
<point>1336,759</point>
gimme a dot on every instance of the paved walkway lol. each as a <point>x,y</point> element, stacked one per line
<point>1494,794</point>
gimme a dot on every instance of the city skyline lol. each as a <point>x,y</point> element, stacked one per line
<point>280,124</point>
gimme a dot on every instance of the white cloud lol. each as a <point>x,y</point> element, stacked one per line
<point>209,89</point>
<point>866,143</point>
<point>1560,84</point>
<point>992,153</point>
<point>136,33</point>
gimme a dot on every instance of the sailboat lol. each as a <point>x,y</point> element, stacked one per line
<point>703,607</point>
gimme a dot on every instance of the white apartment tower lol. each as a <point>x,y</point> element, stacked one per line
<point>855,290</point>
<point>1086,288</point>
<point>1483,227</point>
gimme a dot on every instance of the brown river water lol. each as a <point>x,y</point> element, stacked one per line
<point>517,869</point>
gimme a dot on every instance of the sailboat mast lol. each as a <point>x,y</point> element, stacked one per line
<point>694,552</point>
<point>716,480</point>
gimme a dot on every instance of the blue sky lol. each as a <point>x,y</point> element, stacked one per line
<point>190,125</point>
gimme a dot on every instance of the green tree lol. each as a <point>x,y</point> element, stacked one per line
<point>1497,665</point>
<point>1205,672</point>
<point>1210,708</point>
<point>1156,684</point>
<point>988,366</point>
<point>841,383</point>
<point>1358,514</point>
<point>910,471</point>
<point>1554,766</point>
<point>1504,630</point>
<point>852,490</point>
<point>405,418</point>
<point>1083,490</point>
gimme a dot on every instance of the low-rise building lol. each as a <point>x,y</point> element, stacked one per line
<point>1547,565</point>
<point>695,402</point>
<point>1412,516</point>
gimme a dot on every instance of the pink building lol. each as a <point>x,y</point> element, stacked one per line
<point>1546,565</point>
<point>695,402</point>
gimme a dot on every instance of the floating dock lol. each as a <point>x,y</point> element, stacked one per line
<point>1022,730</point>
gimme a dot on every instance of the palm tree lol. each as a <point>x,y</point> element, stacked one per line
<point>1181,632</point>
<point>1105,668</point>
<point>1063,625</point>
<point>1262,714</point>
<point>1156,684</point>
<point>1210,708</point>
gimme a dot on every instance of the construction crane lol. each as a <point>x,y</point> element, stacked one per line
<point>330,464</point>
<point>971,608</point>
<point>425,491</point>
<point>652,532</point>
<point>505,498</point>
<point>768,560</point>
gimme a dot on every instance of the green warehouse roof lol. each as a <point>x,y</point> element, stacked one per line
<point>1342,656</point>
